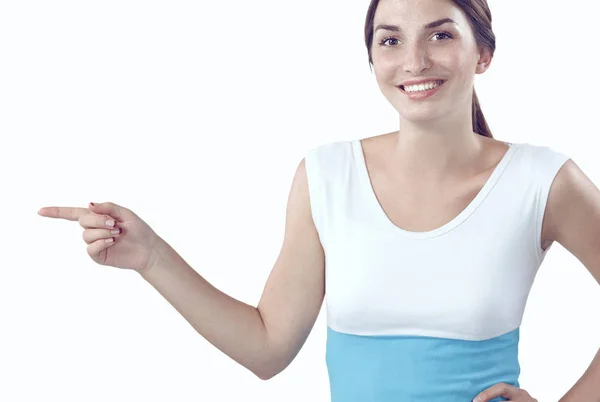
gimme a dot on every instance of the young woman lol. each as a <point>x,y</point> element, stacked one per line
<point>432,234</point>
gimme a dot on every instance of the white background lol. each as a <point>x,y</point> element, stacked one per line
<point>195,115</point>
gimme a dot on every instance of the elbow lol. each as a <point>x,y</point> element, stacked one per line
<point>267,371</point>
<point>272,359</point>
<point>265,376</point>
<point>269,368</point>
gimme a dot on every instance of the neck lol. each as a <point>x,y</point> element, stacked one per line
<point>436,150</point>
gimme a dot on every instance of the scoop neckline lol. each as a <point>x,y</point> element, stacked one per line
<point>382,217</point>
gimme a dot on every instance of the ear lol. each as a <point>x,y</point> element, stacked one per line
<point>485,59</point>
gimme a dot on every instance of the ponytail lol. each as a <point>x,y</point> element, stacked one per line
<point>479,124</point>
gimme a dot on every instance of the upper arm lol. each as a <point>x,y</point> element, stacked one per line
<point>573,215</point>
<point>294,292</point>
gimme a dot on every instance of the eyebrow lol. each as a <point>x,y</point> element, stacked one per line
<point>433,24</point>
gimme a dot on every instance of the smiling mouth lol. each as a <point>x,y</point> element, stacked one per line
<point>419,88</point>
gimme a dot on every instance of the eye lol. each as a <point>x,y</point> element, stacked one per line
<point>384,40</point>
<point>446,34</point>
<point>442,35</point>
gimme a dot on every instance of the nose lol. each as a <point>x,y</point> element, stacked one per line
<point>415,58</point>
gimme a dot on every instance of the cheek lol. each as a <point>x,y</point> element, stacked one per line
<point>454,59</point>
<point>385,73</point>
<point>384,66</point>
<point>466,60</point>
<point>461,66</point>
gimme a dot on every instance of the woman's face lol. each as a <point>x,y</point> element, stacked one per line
<point>414,52</point>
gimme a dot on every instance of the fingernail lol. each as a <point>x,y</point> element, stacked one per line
<point>110,223</point>
<point>92,204</point>
<point>116,231</point>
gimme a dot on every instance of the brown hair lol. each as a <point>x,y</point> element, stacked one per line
<point>480,18</point>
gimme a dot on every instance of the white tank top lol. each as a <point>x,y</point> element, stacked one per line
<point>467,280</point>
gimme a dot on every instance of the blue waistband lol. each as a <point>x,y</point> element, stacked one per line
<point>418,368</point>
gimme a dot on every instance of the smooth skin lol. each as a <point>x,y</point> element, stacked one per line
<point>263,339</point>
<point>435,143</point>
<point>129,252</point>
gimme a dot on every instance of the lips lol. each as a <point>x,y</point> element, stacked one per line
<point>420,82</point>
<point>421,95</point>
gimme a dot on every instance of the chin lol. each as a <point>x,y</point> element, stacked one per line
<point>420,113</point>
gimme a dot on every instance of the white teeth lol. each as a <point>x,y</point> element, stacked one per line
<point>422,87</point>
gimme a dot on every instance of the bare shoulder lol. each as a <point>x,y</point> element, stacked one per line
<point>573,215</point>
<point>573,198</point>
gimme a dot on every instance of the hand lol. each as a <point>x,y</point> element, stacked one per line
<point>130,249</point>
<point>506,391</point>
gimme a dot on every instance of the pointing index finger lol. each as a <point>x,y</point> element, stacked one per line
<point>69,213</point>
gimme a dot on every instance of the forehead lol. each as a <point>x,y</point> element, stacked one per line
<point>417,12</point>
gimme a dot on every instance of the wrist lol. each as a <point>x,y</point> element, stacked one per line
<point>157,255</point>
